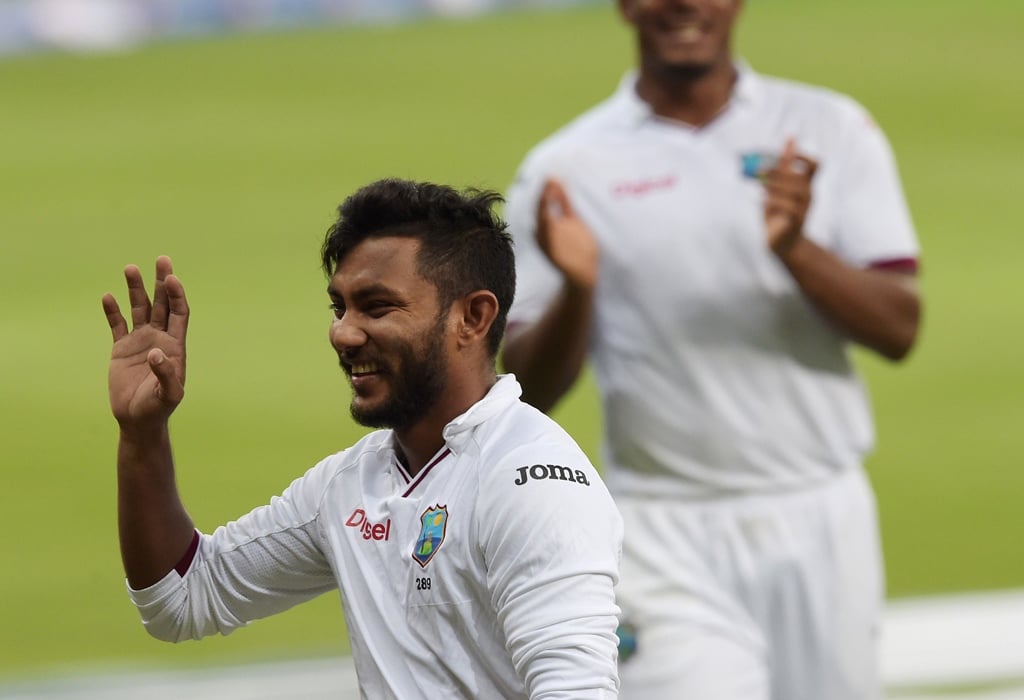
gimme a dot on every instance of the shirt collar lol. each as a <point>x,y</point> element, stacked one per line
<point>635,111</point>
<point>503,394</point>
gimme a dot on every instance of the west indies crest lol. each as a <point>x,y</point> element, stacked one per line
<point>433,525</point>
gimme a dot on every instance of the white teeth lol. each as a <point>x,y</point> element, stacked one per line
<point>689,32</point>
<point>364,369</point>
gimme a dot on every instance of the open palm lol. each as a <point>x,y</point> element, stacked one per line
<point>147,364</point>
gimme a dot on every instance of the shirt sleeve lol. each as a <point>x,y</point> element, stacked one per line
<point>873,217</point>
<point>552,538</point>
<point>263,563</point>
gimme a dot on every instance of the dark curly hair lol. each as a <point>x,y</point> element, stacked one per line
<point>464,245</point>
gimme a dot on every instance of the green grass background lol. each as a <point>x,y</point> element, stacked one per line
<point>231,154</point>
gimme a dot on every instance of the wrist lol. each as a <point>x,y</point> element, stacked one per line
<point>789,248</point>
<point>579,290</point>
<point>144,435</point>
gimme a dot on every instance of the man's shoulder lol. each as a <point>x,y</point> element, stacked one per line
<point>601,120</point>
<point>374,446</point>
<point>532,471</point>
<point>524,424</point>
<point>808,97</point>
<point>527,438</point>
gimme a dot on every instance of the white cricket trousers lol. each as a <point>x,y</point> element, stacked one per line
<point>759,597</point>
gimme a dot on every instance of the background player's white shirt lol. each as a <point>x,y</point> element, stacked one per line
<point>716,373</point>
<point>512,597</point>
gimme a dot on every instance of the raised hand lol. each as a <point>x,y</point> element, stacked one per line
<point>788,189</point>
<point>147,364</point>
<point>567,241</point>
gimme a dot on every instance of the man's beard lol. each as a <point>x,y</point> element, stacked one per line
<point>415,391</point>
<point>686,72</point>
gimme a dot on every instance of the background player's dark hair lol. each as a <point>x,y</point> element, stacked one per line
<point>464,245</point>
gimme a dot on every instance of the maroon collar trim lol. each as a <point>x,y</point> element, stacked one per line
<point>423,472</point>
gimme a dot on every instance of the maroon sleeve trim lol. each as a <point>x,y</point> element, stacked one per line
<point>186,561</point>
<point>907,265</point>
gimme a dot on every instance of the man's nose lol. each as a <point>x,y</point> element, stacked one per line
<point>345,333</point>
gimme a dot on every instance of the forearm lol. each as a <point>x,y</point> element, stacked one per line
<point>154,528</point>
<point>577,661</point>
<point>250,569</point>
<point>878,309</point>
<point>547,357</point>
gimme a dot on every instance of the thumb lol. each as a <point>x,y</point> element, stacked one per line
<point>788,154</point>
<point>555,201</point>
<point>171,389</point>
<point>560,198</point>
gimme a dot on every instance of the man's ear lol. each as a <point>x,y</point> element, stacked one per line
<point>478,311</point>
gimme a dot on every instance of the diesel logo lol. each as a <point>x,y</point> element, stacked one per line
<point>370,531</point>
<point>550,471</point>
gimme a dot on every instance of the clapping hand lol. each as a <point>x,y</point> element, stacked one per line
<point>788,189</point>
<point>568,242</point>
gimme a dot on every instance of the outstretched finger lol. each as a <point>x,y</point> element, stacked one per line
<point>160,307</point>
<point>177,320</point>
<point>118,326</point>
<point>787,156</point>
<point>137,296</point>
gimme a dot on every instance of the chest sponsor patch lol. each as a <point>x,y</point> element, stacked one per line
<point>433,525</point>
<point>539,472</point>
<point>369,530</point>
<point>639,188</point>
<point>755,165</point>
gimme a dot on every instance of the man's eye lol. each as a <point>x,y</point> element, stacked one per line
<point>379,308</point>
<point>338,310</point>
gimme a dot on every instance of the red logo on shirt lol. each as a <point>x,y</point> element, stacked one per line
<point>371,531</point>
<point>638,188</point>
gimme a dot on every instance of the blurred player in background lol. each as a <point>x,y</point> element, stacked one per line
<point>475,547</point>
<point>713,239</point>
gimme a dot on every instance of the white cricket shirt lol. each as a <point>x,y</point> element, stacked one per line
<point>717,375</point>
<point>489,574</point>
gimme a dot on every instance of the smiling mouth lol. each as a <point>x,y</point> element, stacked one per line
<point>363,368</point>
<point>686,32</point>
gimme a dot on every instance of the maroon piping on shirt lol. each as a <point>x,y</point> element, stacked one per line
<point>426,470</point>
<point>907,265</point>
<point>186,561</point>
